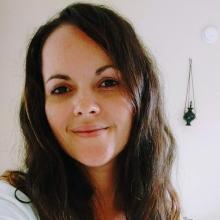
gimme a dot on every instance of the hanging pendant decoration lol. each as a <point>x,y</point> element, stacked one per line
<point>189,110</point>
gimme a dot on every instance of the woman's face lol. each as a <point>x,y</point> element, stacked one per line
<point>86,104</point>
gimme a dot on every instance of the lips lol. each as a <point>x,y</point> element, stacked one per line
<point>88,129</point>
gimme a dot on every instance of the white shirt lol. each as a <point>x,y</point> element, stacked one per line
<point>11,208</point>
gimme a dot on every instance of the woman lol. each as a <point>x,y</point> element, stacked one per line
<point>96,140</point>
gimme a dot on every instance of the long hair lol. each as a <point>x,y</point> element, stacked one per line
<point>56,184</point>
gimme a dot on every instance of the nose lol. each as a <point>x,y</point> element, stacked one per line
<point>85,105</point>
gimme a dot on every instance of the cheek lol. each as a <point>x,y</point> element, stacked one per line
<point>122,114</point>
<point>56,116</point>
<point>124,124</point>
<point>123,111</point>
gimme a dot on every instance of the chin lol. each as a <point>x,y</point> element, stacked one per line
<point>96,162</point>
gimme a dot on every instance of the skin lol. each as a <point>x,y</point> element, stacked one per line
<point>89,90</point>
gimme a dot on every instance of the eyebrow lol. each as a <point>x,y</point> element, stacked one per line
<point>98,72</point>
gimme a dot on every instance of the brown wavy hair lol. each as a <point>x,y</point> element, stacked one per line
<point>56,184</point>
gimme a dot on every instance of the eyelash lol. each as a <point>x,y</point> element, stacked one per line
<point>56,91</point>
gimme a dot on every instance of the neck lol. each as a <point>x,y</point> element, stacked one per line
<point>103,179</point>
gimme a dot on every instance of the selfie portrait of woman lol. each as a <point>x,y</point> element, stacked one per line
<point>97,142</point>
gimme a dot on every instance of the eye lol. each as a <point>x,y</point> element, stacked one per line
<point>60,90</point>
<point>109,83</point>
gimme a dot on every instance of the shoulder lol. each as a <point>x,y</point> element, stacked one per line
<point>12,208</point>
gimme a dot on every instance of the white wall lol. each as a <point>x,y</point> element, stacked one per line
<point>171,30</point>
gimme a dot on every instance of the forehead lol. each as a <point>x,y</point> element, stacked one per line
<point>67,35</point>
<point>69,48</point>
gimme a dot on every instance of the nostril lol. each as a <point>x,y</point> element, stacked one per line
<point>86,109</point>
<point>79,113</point>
